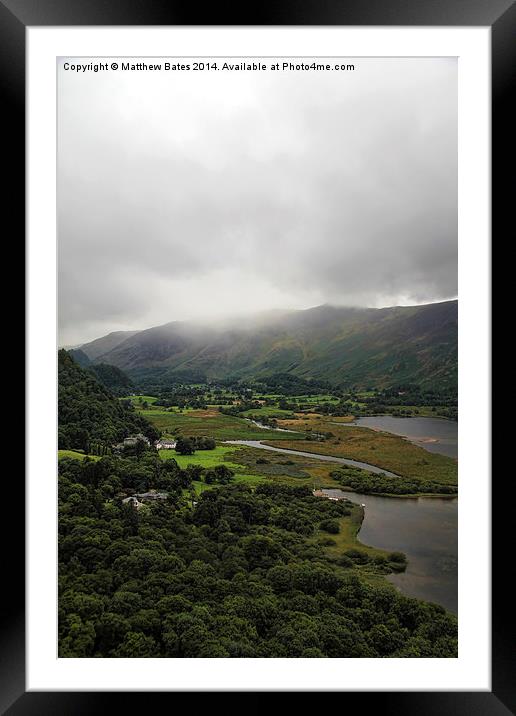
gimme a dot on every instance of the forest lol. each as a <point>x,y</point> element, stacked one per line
<point>89,414</point>
<point>234,574</point>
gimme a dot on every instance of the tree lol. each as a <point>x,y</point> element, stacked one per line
<point>220,474</point>
<point>137,645</point>
<point>79,638</point>
<point>194,473</point>
<point>184,446</point>
<point>111,630</point>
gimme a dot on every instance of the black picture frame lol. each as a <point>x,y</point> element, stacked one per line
<point>15,17</point>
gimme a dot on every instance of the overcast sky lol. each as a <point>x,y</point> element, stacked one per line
<point>202,194</point>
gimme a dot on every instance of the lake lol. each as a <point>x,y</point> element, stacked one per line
<point>432,434</point>
<point>425,529</point>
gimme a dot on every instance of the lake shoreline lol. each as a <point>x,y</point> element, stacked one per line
<point>410,528</point>
<point>434,434</point>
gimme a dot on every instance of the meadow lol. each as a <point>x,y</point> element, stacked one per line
<point>266,411</point>
<point>253,465</point>
<point>75,454</point>
<point>204,458</point>
<point>137,400</point>
<point>384,450</point>
<point>210,422</point>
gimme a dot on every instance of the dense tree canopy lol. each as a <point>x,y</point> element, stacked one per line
<point>89,413</point>
<point>112,378</point>
<point>235,575</point>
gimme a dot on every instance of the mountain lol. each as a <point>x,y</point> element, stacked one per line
<point>89,413</point>
<point>341,345</point>
<point>99,346</point>
<point>79,357</point>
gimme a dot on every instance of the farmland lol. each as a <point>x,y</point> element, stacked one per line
<point>207,422</point>
<point>311,431</point>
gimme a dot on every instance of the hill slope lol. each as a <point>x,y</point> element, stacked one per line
<point>89,413</point>
<point>79,357</point>
<point>359,346</point>
<point>112,378</point>
<point>102,345</point>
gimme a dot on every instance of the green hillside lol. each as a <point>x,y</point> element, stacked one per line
<point>353,346</point>
<point>79,357</point>
<point>113,379</point>
<point>89,413</point>
<point>102,345</point>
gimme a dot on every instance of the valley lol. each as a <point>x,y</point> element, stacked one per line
<point>274,439</point>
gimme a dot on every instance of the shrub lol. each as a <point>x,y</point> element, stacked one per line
<point>344,561</point>
<point>331,526</point>
<point>397,557</point>
<point>358,556</point>
<point>380,559</point>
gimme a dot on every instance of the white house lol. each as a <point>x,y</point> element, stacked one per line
<point>135,503</point>
<point>165,444</point>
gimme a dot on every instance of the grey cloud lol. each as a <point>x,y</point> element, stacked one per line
<point>185,196</point>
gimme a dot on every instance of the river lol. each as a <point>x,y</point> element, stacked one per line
<point>315,456</point>
<point>425,529</point>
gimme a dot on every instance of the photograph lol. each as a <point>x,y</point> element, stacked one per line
<point>257,357</point>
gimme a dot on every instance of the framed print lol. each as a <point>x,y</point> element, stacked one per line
<point>258,300</point>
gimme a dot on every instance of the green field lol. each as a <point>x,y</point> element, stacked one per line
<point>76,455</point>
<point>205,458</point>
<point>416,462</point>
<point>210,423</point>
<point>292,470</point>
<point>266,411</point>
<point>252,480</point>
<point>315,399</point>
<point>137,399</point>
